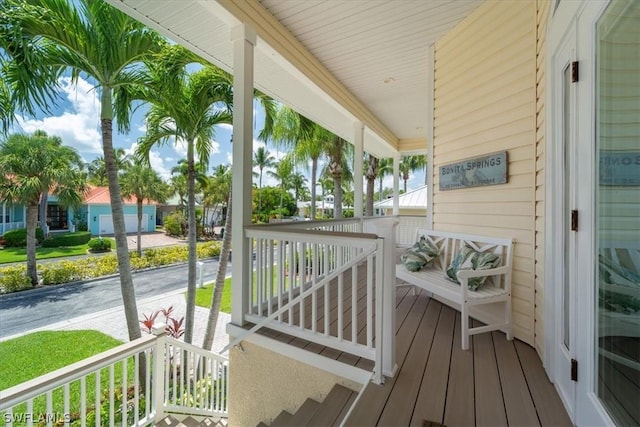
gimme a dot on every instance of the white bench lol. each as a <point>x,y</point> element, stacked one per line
<point>496,289</point>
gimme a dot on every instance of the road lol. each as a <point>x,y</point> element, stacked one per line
<point>24,311</point>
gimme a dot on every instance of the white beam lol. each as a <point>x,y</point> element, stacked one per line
<point>244,40</point>
<point>358,148</point>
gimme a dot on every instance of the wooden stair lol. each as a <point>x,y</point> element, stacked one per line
<point>171,421</point>
<point>330,412</point>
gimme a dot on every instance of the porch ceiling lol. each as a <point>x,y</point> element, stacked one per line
<point>335,61</point>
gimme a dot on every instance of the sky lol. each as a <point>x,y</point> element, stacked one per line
<point>76,120</point>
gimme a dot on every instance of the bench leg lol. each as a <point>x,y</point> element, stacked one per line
<point>464,323</point>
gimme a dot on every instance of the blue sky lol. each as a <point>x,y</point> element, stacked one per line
<point>76,120</point>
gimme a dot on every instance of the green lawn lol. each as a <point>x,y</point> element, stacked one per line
<point>36,354</point>
<point>8,255</point>
<point>203,296</point>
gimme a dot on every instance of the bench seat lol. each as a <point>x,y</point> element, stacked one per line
<point>496,289</point>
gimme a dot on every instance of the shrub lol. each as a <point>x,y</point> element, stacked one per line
<point>104,266</point>
<point>175,224</point>
<point>18,238</point>
<point>67,239</point>
<point>61,272</point>
<point>99,244</point>
<point>209,249</point>
<point>14,278</point>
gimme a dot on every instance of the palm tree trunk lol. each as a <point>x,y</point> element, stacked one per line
<point>372,172</point>
<point>191,239</point>
<point>32,223</point>
<point>139,234</point>
<point>122,251</point>
<point>44,201</point>
<point>216,298</point>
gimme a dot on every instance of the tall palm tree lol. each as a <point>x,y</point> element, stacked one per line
<point>298,133</point>
<point>283,173</point>
<point>262,159</point>
<point>33,165</point>
<point>410,164</point>
<point>372,168</point>
<point>339,152</point>
<point>385,168</point>
<point>221,181</point>
<point>299,186</point>
<point>90,38</point>
<point>185,108</point>
<point>98,167</point>
<point>142,183</point>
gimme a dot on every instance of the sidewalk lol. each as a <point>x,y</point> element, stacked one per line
<point>112,321</point>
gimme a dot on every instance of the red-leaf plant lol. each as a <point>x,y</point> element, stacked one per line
<point>175,328</point>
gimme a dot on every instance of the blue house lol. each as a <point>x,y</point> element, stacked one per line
<point>95,213</point>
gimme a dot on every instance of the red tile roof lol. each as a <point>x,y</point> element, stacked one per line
<point>101,196</point>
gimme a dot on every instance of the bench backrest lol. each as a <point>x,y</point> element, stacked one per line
<point>450,243</point>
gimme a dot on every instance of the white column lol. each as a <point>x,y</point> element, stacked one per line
<point>244,39</point>
<point>396,183</point>
<point>358,143</point>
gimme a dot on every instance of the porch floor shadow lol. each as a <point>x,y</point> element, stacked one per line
<point>494,383</point>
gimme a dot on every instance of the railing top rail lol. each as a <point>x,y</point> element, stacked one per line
<point>304,224</point>
<point>197,350</point>
<point>318,236</point>
<point>52,380</point>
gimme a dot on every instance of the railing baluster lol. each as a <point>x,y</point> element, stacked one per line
<point>65,405</point>
<point>300,264</point>
<point>125,401</point>
<point>83,401</point>
<point>291,276</point>
<point>149,404</point>
<point>112,408</point>
<point>370,301</point>
<point>136,388</point>
<point>354,305</point>
<point>341,299</point>
<point>97,397</point>
<point>30,411</point>
<point>49,407</point>
<point>280,276</point>
<point>269,278</point>
<point>9,417</point>
<point>326,292</point>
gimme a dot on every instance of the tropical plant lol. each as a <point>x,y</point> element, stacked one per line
<point>283,173</point>
<point>372,169</point>
<point>385,168</point>
<point>262,159</point>
<point>33,165</point>
<point>340,154</point>
<point>46,38</point>
<point>143,183</point>
<point>410,164</point>
<point>98,168</point>
<point>185,108</point>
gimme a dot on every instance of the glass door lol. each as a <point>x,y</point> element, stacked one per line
<point>617,211</point>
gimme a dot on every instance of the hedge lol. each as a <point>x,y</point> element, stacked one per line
<point>67,239</point>
<point>18,238</point>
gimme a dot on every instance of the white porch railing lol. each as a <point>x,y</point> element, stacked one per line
<point>8,226</point>
<point>318,282</point>
<point>128,385</point>
<point>405,231</point>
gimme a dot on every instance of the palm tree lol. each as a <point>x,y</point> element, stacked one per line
<point>185,108</point>
<point>372,167</point>
<point>410,164</point>
<point>143,183</point>
<point>262,159</point>
<point>221,181</point>
<point>34,165</point>
<point>283,173</point>
<point>98,167</point>
<point>339,152</point>
<point>295,131</point>
<point>385,167</point>
<point>88,38</point>
<point>299,186</point>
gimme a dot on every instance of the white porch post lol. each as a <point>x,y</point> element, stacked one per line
<point>358,142</point>
<point>396,184</point>
<point>386,228</point>
<point>244,39</point>
<point>430,133</point>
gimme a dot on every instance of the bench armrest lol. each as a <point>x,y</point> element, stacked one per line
<point>468,274</point>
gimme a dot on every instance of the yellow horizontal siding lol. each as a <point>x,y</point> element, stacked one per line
<point>485,102</point>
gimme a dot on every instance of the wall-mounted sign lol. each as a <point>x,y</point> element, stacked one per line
<point>620,168</point>
<point>476,172</point>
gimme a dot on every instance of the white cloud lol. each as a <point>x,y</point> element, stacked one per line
<point>78,127</point>
<point>155,159</point>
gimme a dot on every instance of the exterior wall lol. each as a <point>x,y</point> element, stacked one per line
<point>96,210</point>
<point>542,16</point>
<point>264,383</point>
<point>484,102</point>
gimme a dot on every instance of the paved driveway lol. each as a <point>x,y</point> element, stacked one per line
<point>152,240</point>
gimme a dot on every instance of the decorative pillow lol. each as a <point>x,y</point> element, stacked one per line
<point>468,259</point>
<point>419,255</point>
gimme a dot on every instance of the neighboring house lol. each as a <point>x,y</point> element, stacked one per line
<point>11,217</point>
<point>95,212</point>
<point>549,87</point>
<point>412,203</point>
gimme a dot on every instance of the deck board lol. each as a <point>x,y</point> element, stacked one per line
<point>496,382</point>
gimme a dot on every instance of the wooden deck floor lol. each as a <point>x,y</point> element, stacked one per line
<point>494,383</point>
